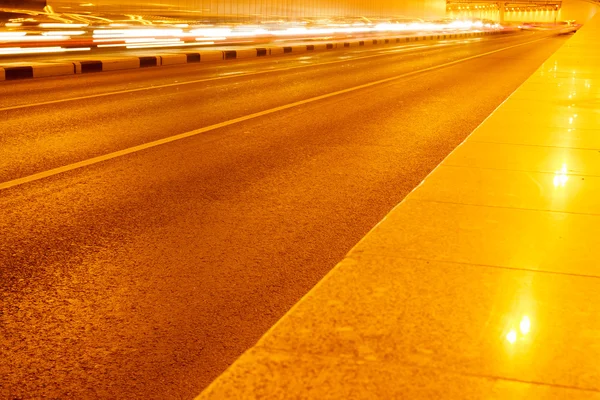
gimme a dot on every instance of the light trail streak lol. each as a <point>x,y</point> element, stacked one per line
<point>39,50</point>
<point>125,35</point>
<point>63,33</point>
<point>33,38</point>
<point>61,25</point>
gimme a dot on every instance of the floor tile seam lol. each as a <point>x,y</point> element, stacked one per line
<point>567,78</point>
<point>546,96</point>
<point>539,127</point>
<point>565,70</point>
<point>564,86</point>
<point>519,170</point>
<point>549,73</point>
<point>555,83</point>
<point>551,94</point>
<point>504,207</point>
<point>358,257</point>
<point>548,106</point>
<point>543,105</point>
<point>447,164</point>
<point>540,145</point>
<point>560,77</point>
<point>403,363</point>
<point>568,59</point>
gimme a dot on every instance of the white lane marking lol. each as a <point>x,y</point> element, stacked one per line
<point>92,96</point>
<point>412,48</point>
<point>134,149</point>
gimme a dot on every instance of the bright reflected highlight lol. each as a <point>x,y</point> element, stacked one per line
<point>511,336</point>
<point>561,177</point>
<point>525,325</point>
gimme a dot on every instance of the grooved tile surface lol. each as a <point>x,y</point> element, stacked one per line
<point>483,283</point>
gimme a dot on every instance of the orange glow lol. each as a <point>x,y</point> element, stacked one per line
<point>511,336</point>
<point>525,325</point>
<point>561,177</point>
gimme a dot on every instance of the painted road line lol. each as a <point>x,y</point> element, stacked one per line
<point>135,149</point>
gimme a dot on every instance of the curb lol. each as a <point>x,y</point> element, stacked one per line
<point>19,71</point>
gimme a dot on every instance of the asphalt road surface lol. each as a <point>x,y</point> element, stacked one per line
<point>145,273</point>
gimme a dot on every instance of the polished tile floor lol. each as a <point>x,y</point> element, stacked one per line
<point>483,283</point>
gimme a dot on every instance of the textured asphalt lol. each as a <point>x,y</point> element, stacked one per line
<point>146,275</point>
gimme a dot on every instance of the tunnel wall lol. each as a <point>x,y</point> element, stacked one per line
<point>578,10</point>
<point>263,8</point>
<point>509,16</point>
<point>532,16</point>
<point>491,14</point>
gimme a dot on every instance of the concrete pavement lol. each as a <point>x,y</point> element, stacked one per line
<point>482,283</point>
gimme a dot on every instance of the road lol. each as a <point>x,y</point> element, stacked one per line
<point>145,274</point>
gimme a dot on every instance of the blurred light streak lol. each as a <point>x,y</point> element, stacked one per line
<point>173,33</point>
<point>39,50</point>
<point>33,38</point>
<point>61,25</point>
<point>63,33</point>
<point>122,33</point>
<point>149,46</point>
<point>11,35</point>
<point>210,38</point>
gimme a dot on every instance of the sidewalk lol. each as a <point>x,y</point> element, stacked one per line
<point>482,283</point>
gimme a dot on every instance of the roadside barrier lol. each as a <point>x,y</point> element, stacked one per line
<point>17,71</point>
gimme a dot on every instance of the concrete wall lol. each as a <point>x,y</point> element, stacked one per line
<point>263,8</point>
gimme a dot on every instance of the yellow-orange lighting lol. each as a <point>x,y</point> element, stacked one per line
<point>561,177</point>
<point>525,325</point>
<point>511,336</point>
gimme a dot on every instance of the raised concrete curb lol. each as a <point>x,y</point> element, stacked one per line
<point>36,70</point>
<point>17,71</point>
